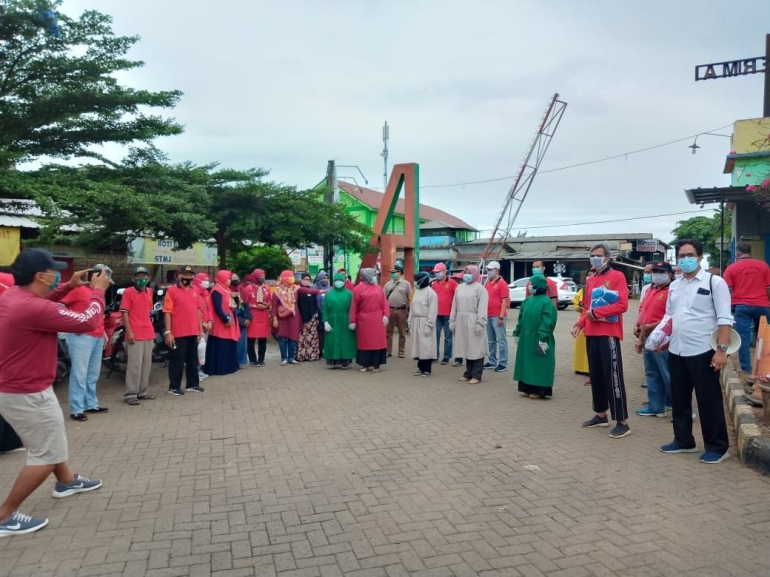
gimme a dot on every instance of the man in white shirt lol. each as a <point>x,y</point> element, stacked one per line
<point>698,304</point>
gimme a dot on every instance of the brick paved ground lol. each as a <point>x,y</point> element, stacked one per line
<point>299,471</point>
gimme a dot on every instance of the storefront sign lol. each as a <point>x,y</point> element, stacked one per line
<point>730,68</point>
<point>315,255</point>
<point>9,245</point>
<point>154,251</point>
<point>647,246</point>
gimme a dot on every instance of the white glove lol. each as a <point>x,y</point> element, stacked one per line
<point>543,347</point>
<point>385,321</point>
<point>352,326</point>
<point>327,327</point>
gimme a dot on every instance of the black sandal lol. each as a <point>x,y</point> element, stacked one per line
<point>133,402</point>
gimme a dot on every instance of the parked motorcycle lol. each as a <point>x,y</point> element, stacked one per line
<point>63,361</point>
<point>160,352</point>
<point>114,355</point>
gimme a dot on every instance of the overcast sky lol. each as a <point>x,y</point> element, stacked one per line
<point>288,85</point>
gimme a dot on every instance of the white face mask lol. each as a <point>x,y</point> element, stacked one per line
<point>205,284</point>
<point>660,278</point>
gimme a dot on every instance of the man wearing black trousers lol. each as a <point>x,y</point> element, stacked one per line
<point>184,326</point>
<point>699,304</point>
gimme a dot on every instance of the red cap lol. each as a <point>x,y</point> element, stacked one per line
<point>440,267</point>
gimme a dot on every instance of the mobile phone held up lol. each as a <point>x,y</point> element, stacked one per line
<point>97,269</point>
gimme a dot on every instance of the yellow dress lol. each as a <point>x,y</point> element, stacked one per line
<point>580,357</point>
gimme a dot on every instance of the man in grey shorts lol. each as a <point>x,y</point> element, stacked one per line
<point>31,318</point>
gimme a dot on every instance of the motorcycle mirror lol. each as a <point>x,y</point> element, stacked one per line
<point>160,292</point>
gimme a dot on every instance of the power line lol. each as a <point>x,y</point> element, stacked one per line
<point>605,159</point>
<point>606,221</point>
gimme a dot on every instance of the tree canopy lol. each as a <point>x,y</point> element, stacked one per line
<point>708,231</point>
<point>59,96</point>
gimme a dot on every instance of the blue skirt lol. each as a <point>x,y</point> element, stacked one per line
<point>221,356</point>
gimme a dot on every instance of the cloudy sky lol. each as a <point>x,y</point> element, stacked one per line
<point>288,85</point>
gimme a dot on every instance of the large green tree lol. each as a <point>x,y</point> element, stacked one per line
<point>271,259</point>
<point>707,230</point>
<point>59,95</point>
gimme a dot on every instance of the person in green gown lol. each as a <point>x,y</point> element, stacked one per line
<point>536,350</point>
<point>340,343</point>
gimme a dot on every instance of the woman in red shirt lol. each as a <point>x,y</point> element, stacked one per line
<point>222,345</point>
<point>259,329</point>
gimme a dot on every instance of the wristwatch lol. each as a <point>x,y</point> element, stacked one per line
<point>722,348</point>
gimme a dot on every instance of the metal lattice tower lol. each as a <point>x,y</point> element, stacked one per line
<point>517,194</point>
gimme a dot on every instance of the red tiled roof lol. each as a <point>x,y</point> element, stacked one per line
<point>373,199</point>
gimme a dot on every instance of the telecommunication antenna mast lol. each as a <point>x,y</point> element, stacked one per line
<point>384,154</point>
<point>520,187</point>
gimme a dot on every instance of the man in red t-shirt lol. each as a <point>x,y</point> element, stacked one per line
<point>749,282</point>
<point>85,352</point>
<point>651,311</point>
<point>184,327</point>
<point>31,317</point>
<point>136,307</point>
<point>497,316</point>
<point>605,300</point>
<point>445,288</point>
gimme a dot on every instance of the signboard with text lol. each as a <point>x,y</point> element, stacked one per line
<point>164,252</point>
<point>647,246</point>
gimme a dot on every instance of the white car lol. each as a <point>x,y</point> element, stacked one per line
<point>517,291</point>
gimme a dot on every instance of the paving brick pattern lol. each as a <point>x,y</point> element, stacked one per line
<point>304,472</point>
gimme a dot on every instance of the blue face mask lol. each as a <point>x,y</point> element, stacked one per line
<point>468,278</point>
<point>688,264</point>
<point>537,270</point>
<point>56,280</point>
<point>394,275</point>
<point>647,278</point>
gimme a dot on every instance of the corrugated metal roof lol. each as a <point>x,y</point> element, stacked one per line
<point>13,221</point>
<point>561,254</point>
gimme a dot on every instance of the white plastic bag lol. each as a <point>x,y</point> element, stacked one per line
<point>202,351</point>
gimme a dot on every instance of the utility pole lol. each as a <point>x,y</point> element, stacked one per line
<point>384,154</point>
<point>332,197</point>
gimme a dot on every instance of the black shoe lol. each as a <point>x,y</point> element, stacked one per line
<point>97,410</point>
<point>197,389</point>
<point>176,392</point>
<point>620,431</point>
<point>597,421</point>
<point>79,417</point>
<point>254,364</point>
<point>444,361</point>
<point>419,374</point>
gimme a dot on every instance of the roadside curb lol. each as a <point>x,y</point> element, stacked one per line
<point>753,449</point>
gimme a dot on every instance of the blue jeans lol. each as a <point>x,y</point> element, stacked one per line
<point>498,342</point>
<point>288,348</point>
<point>243,357</point>
<point>745,315</point>
<point>442,324</point>
<point>658,380</point>
<point>86,355</point>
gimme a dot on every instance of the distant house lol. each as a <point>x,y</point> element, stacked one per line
<point>439,230</point>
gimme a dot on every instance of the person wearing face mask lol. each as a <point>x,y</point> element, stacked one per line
<point>31,316</point>
<point>445,288</point>
<point>348,282</point>
<point>497,313</point>
<point>222,345</point>
<point>677,272</point>
<point>605,302</point>
<point>201,285</point>
<point>651,312</point>
<point>422,320</point>
<point>369,314</point>
<point>241,291</point>
<point>136,306</point>
<point>322,284</point>
<point>288,315</point>
<point>698,304</point>
<point>85,356</point>
<point>183,320</point>
<point>259,329</point>
<point>579,354</point>
<point>398,291</point>
<point>538,268</point>
<point>536,348</point>
<point>468,322</point>
<point>646,280</point>
<point>309,344</point>
<point>340,341</point>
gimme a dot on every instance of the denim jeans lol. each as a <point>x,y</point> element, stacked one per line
<point>442,324</point>
<point>288,348</point>
<point>86,356</point>
<point>658,380</point>
<point>745,315</point>
<point>243,356</point>
<point>498,342</point>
